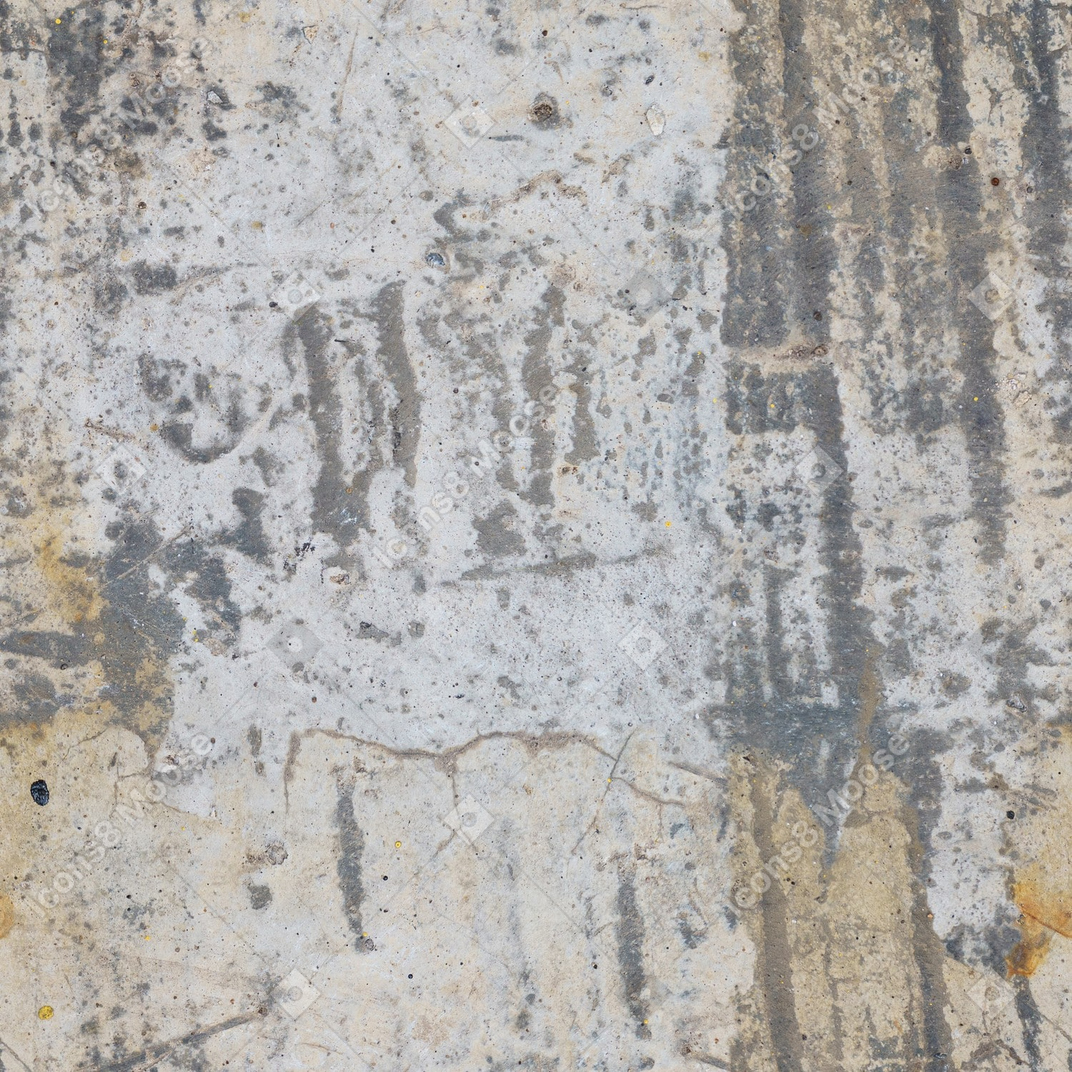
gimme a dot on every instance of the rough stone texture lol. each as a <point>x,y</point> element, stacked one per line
<point>534,536</point>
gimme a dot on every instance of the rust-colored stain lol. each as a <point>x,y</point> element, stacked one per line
<point>7,915</point>
<point>73,594</point>
<point>1044,914</point>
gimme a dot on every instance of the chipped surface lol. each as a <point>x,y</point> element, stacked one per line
<point>534,536</point>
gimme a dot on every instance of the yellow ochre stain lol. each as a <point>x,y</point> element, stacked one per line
<point>7,915</point>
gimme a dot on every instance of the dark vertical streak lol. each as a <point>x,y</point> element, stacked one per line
<point>791,725</point>
<point>1031,1019</point>
<point>954,121</point>
<point>334,511</point>
<point>405,415</point>
<point>757,291</point>
<point>536,373</point>
<point>967,244</point>
<point>774,956</point>
<point>348,865</point>
<point>935,1040</point>
<point>776,660</point>
<point>631,951</point>
<point>1045,148</point>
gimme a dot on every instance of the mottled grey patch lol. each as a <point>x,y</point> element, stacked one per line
<point>58,649</point>
<point>138,628</point>
<point>153,279</point>
<point>36,700</point>
<point>279,102</point>
<point>259,896</point>
<point>249,537</point>
<point>76,63</point>
<point>496,536</point>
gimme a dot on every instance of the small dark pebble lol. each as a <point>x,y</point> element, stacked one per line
<point>1010,815</point>
<point>436,260</point>
<point>39,792</point>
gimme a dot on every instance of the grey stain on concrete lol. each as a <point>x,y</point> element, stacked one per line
<point>796,484</point>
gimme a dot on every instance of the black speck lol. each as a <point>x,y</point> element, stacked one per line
<point>39,792</point>
<point>1010,815</point>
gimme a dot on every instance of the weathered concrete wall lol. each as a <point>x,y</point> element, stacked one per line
<point>534,536</point>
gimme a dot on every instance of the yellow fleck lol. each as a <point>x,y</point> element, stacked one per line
<point>398,844</point>
<point>45,1012</point>
<point>669,523</point>
<point>147,937</point>
<point>975,399</point>
<point>257,225</point>
<point>58,21</point>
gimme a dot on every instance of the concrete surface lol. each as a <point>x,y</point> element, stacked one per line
<point>535,536</point>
